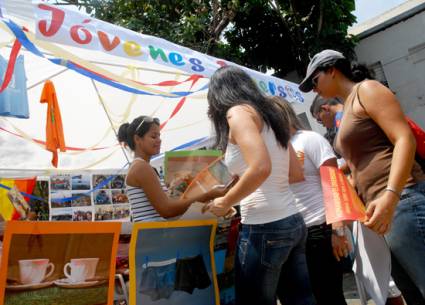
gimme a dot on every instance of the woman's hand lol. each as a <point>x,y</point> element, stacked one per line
<point>380,213</point>
<point>340,246</point>
<point>216,191</point>
<point>218,207</point>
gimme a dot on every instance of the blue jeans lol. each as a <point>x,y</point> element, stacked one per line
<point>269,256</point>
<point>407,239</point>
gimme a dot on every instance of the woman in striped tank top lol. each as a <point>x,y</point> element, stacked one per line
<point>145,190</point>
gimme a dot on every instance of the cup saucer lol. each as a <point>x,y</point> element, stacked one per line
<point>67,283</point>
<point>19,286</point>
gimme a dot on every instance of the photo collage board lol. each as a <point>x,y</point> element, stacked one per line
<point>88,197</point>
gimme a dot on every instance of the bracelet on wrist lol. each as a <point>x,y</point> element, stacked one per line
<point>340,232</point>
<point>394,191</point>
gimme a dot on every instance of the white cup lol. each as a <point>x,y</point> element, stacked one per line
<point>33,271</point>
<point>81,269</point>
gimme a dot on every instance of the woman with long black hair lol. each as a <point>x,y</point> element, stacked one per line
<point>254,134</point>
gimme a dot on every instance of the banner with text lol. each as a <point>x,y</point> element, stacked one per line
<point>64,26</point>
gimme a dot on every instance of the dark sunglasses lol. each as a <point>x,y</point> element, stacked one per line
<point>317,116</point>
<point>147,119</point>
<point>315,79</point>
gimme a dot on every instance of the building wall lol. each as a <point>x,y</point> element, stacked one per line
<point>401,51</point>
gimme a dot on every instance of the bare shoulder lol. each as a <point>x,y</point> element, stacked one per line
<point>243,113</point>
<point>373,88</point>
<point>138,170</point>
<point>139,164</point>
<point>376,97</point>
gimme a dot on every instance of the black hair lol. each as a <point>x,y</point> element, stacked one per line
<point>355,72</point>
<point>289,112</point>
<point>230,86</point>
<point>319,101</point>
<point>127,131</point>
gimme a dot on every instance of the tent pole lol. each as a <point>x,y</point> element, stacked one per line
<point>50,77</point>
<point>109,118</point>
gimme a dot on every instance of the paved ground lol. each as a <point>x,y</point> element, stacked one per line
<point>350,290</point>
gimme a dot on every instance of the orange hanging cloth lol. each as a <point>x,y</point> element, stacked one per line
<point>54,131</point>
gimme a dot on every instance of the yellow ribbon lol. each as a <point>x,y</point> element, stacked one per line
<point>61,53</point>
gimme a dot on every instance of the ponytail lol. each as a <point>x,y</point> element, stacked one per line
<point>355,72</point>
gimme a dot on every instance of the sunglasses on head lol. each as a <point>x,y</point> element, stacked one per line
<point>147,119</point>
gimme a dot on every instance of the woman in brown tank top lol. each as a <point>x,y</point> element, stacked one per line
<point>378,145</point>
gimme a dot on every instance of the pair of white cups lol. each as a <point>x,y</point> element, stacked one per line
<point>34,271</point>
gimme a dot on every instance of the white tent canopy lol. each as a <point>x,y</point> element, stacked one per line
<point>85,117</point>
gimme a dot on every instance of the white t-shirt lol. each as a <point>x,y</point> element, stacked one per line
<point>312,151</point>
<point>273,200</point>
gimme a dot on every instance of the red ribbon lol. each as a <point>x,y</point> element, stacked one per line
<point>11,65</point>
<point>194,78</point>
<point>166,83</point>
<point>67,147</point>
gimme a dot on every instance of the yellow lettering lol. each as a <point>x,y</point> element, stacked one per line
<point>132,48</point>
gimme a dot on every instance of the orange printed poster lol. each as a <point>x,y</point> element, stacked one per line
<point>214,174</point>
<point>181,167</point>
<point>60,263</point>
<point>340,198</point>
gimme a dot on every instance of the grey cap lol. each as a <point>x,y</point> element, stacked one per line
<point>318,60</point>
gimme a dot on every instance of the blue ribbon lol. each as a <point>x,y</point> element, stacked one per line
<point>67,199</point>
<point>99,186</point>
<point>105,181</point>
<point>23,193</point>
<point>23,39</point>
<point>183,146</point>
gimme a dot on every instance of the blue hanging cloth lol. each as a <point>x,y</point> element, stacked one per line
<point>14,99</point>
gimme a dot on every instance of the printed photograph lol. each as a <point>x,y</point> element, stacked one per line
<point>119,196</point>
<point>60,182</point>
<point>103,213</point>
<point>98,179</point>
<point>62,214</point>
<point>65,216</point>
<point>102,197</point>
<point>118,182</point>
<point>82,214</point>
<point>80,199</point>
<point>60,199</point>
<point>80,182</point>
<point>121,212</point>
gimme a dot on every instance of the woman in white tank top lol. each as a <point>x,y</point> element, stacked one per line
<point>145,190</point>
<point>271,245</point>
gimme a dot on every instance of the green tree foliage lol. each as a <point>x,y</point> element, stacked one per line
<point>262,34</point>
<point>284,34</point>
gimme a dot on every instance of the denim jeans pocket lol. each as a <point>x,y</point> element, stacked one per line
<point>276,249</point>
<point>242,250</point>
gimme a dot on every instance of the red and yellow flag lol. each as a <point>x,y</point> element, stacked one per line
<point>7,210</point>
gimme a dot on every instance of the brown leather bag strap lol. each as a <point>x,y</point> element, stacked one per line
<point>358,98</point>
